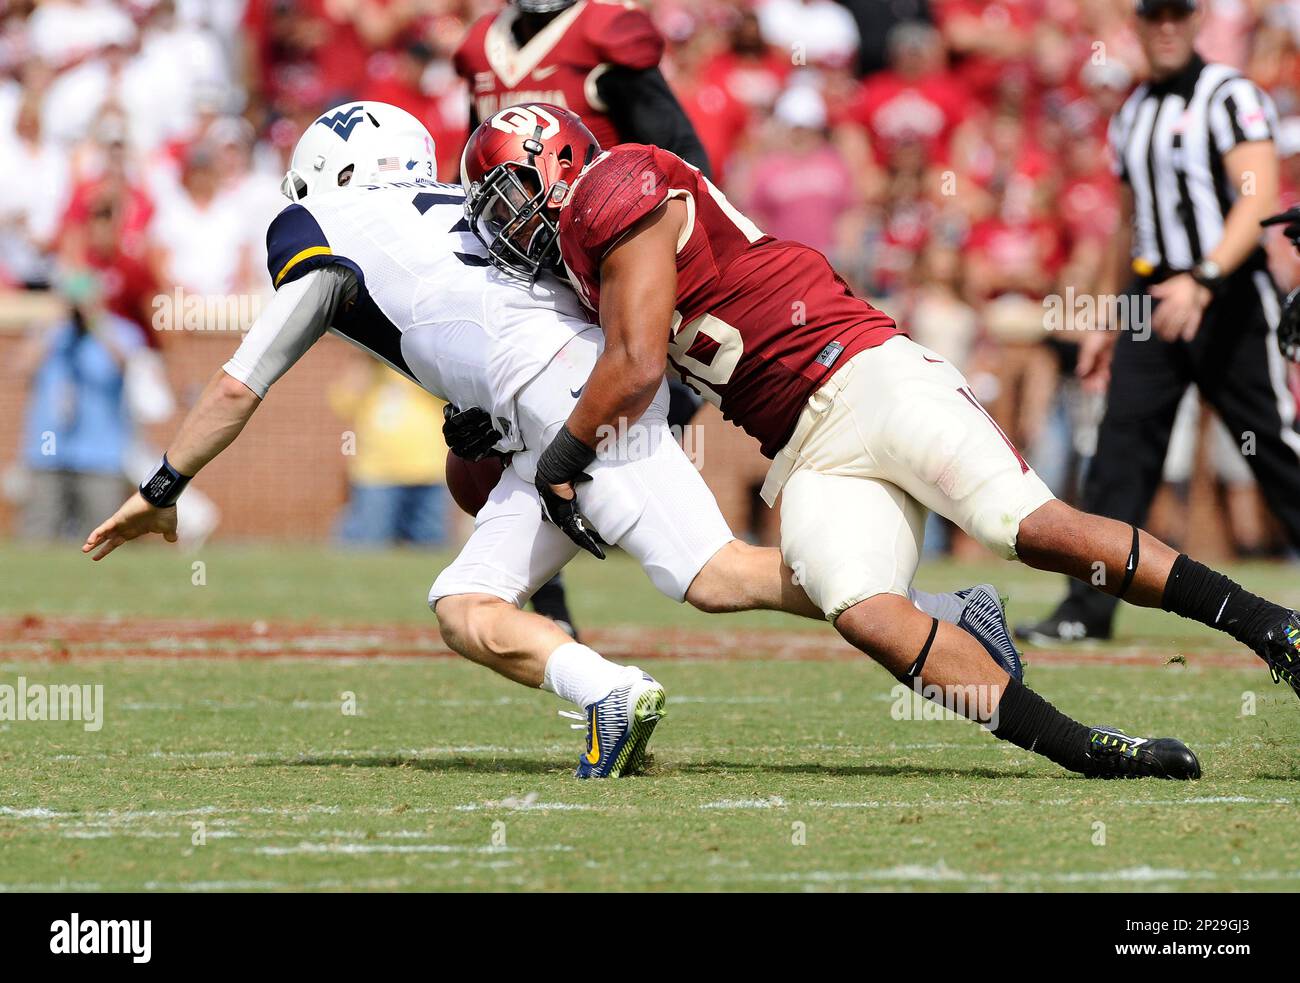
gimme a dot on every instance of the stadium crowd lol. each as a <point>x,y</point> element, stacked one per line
<point>949,155</point>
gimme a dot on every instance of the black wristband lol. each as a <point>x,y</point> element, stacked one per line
<point>564,459</point>
<point>164,486</point>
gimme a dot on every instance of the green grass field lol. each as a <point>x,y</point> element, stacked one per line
<point>225,765</point>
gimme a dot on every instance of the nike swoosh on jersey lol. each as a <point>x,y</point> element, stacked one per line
<point>575,393</point>
<point>545,72</point>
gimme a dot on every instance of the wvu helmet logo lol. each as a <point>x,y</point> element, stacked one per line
<point>343,123</point>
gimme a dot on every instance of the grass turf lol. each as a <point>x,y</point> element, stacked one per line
<point>219,773</point>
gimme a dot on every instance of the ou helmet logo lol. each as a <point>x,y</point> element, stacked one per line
<point>524,121</point>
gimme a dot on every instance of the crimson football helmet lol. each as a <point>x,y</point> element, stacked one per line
<point>517,170</point>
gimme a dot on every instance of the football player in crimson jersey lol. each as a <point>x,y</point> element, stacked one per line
<point>599,58</point>
<point>867,428</point>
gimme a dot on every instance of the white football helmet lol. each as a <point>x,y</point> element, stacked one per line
<point>359,143</point>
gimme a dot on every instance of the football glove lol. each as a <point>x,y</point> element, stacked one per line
<point>470,433</point>
<point>564,462</point>
<point>565,514</point>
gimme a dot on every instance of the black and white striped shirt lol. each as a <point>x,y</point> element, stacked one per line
<point>1168,141</point>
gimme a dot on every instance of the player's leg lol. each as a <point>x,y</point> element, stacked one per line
<point>857,570</point>
<point>923,429</point>
<point>478,601</point>
<point>551,600</point>
<point>1148,379</point>
<point>648,497</point>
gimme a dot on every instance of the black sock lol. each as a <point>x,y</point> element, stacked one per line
<point>1028,721</point>
<point>1195,591</point>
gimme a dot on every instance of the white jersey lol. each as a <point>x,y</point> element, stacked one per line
<point>396,271</point>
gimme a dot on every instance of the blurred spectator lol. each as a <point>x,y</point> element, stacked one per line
<point>199,233</point>
<point>815,32</point>
<point>914,99</point>
<point>61,32</point>
<point>875,22</point>
<point>125,277</point>
<point>748,68</point>
<point>709,85</point>
<point>803,189</point>
<point>396,459</point>
<point>106,168</point>
<point>32,197</point>
<point>936,315</point>
<point>77,426</point>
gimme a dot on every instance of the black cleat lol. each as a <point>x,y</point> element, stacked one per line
<point>1281,651</point>
<point>1113,754</point>
<point>1061,627</point>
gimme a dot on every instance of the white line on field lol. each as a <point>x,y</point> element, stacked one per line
<point>307,846</point>
<point>941,873</point>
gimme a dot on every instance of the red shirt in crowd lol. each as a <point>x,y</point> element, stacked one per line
<point>895,110</point>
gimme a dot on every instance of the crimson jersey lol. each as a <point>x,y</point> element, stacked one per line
<point>562,63</point>
<point>760,323</point>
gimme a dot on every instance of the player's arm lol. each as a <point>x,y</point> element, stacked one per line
<point>644,110</point>
<point>294,320</point>
<point>638,285</point>
<point>638,290</point>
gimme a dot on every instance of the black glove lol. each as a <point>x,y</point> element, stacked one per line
<point>469,433</point>
<point>561,463</point>
<point>564,513</point>
<point>1291,219</point>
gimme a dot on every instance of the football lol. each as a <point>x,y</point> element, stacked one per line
<point>471,482</point>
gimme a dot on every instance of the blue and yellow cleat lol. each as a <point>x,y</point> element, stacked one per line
<point>619,729</point>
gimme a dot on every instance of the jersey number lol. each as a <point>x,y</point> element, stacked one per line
<point>723,340</point>
<point>427,199</point>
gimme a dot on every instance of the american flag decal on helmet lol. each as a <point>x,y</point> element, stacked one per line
<point>390,164</point>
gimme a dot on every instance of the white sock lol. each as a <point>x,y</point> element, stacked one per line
<point>581,675</point>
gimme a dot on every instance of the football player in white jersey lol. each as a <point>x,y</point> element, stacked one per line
<point>391,266</point>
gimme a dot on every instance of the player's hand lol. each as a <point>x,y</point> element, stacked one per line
<point>1182,301</point>
<point>135,518</point>
<point>560,506</point>
<point>1095,351</point>
<point>470,433</point>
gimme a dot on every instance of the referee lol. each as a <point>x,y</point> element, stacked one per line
<point>1194,152</point>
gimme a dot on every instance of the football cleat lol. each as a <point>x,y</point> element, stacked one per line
<point>1061,627</point>
<point>1281,651</point>
<point>1114,754</point>
<point>619,728</point>
<point>984,616</point>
